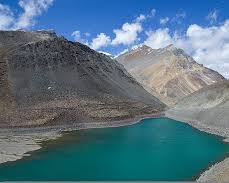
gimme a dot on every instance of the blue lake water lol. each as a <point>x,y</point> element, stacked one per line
<point>155,149</point>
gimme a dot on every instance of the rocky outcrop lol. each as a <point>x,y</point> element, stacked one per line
<point>51,81</point>
<point>168,73</point>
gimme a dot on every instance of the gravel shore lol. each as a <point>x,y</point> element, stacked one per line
<point>15,146</point>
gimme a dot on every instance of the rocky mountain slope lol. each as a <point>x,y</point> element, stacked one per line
<point>48,80</point>
<point>206,109</point>
<point>168,73</point>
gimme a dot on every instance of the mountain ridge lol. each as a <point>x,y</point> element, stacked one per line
<point>168,71</point>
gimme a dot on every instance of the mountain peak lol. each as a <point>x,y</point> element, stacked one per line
<point>170,47</point>
<point>141,46</point>
<point>144,49</point>
<point>176,51</point>
<point>169,71</point>
<point>137,50</point>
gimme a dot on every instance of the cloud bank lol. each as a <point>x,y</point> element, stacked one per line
<point>6,17</point>
<point>128,34</point>
<point>30,10</point>
<point>100,40</point>
<point>207,45</point>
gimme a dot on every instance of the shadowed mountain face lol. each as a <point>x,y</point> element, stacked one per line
<point>168,73</point>
<point>48,80</point>
<point>208,107</point>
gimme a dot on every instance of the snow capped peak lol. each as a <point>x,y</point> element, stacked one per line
<point>137,46</point>
<point>141,47</point>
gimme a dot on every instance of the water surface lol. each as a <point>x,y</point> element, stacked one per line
<point>155,149</point>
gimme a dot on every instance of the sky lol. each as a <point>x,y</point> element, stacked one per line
<point>199,27</point>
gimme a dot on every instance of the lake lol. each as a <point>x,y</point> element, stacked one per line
<point>154,149</point>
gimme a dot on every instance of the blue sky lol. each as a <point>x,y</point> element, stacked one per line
<point>197,26</point>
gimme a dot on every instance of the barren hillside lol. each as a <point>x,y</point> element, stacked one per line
<point>48,80</point>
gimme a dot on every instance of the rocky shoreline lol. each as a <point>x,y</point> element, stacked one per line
<point>16,143</point>
<point>15,146</point>
<point>218,172</point>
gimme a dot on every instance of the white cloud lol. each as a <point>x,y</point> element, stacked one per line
<point>6,17</point>
<point>212,16</point>
<point>87,34</point>
<point>164,21</point>
<point>76,35</point>
<point>128,34</point>
<point>207,45</point>
<point>158,38</point>
<point>101,40</point>
<point>211,46</point>
<point>26,19</point>
<point>140,18</point>
<point>32,8</point>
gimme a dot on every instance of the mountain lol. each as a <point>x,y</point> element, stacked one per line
<point>206,109</point>
<point>46,80</point>
<point>169,72</point>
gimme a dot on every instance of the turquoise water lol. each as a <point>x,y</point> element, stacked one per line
<point>155,149</point>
